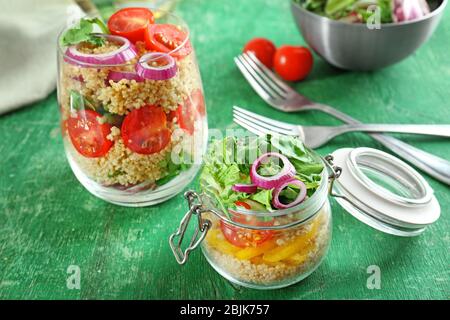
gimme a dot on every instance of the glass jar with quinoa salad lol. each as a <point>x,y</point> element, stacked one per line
<point>263,218</point>
<point>270,222</point>
<point>133,114</point>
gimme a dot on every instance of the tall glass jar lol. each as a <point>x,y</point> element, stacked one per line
<point>134,128</point>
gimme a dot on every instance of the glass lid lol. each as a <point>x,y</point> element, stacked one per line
<point>384,192</point>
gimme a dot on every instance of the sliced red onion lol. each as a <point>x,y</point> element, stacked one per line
<point>246,188</point>
<point>286,173</point>
<point>119,75</point>
<point>159,72</point>
<point>300,197</point>
<point>120,56</point>
<point>407,10</point>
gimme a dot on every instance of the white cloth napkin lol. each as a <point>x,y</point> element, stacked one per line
<point>28,38</point>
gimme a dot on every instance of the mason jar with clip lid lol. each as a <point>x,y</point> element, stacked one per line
<point>267,248</point>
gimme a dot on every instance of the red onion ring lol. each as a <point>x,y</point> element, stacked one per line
<point>164,72</point>
<point>285,174</point>
<point>246,188</point>
<point>276,194</point>
<point>120,56</point>
<point>116,76</point>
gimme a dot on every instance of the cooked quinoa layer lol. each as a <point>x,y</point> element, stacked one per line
<point>125,167</point>
<point>121,165</point>
<point>257,272</point>
<point>125,95</point>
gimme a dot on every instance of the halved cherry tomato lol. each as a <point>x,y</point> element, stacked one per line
<point>242,237</point>
<point>185,117</point>
<point>144,130</point>
<point>88,136</point>
<point>193,108</point>
<point>263,49</point>
<point>166,38</point>
<point>199,102</point>
<point>293,63</point>
<point>172,115</point>
<point>131,23</point>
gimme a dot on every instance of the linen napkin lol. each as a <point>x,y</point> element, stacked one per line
<point>28,39</point>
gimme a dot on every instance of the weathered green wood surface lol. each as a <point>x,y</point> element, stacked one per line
<point>48,221</point>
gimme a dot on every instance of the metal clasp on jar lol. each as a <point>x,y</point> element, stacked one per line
<point>334,175</point>
<point>195,208</point>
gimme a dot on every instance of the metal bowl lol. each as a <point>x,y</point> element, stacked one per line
<point>356,47</point>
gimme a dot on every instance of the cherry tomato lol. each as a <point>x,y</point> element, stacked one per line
<point>242,237</point>
<point>88,136</point>
<point>263,49</point>
<point>172,115</point>
<point>198,101</point>
<point>131,23</point>
<point>166,38</point>
<point>185,118</point>
<point>145,131</point>
<point>293,63</point>
<point>186,114</point>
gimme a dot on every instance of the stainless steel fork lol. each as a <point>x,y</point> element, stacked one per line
<point>282,97</point>
<point>316,136</point>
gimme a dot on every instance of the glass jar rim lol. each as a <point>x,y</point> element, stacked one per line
<point>62,49</point>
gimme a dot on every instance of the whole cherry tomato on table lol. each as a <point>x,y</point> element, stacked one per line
<point>131,23</point>
<point>263,49</point>
<point>293,63</point>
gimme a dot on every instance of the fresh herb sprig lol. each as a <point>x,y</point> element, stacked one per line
<point>84,32</point>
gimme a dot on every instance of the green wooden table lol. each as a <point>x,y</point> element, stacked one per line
<point>48,222</point>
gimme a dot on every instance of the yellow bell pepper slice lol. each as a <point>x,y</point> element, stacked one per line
<point>251,252</point>
<point>291,248</point>
<point>296,259</point>
<point>216,240</point>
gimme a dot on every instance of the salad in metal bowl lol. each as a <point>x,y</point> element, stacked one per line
<point>360,11</point>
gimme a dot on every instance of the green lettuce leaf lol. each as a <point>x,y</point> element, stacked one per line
<point>264,197</point>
